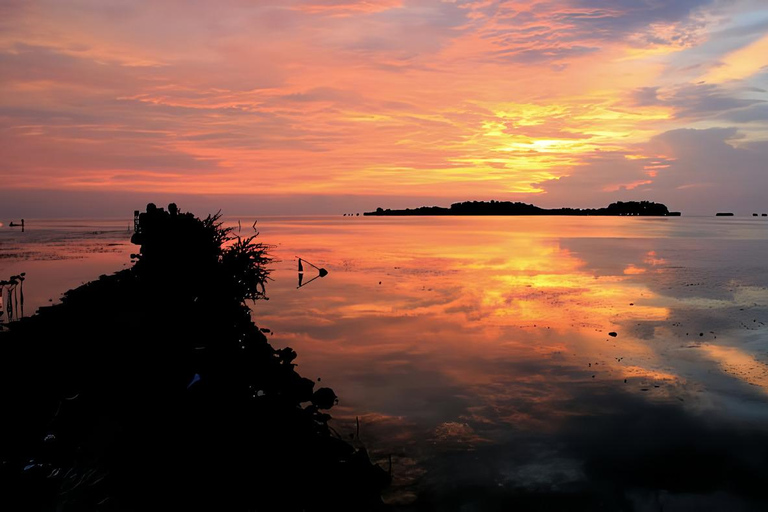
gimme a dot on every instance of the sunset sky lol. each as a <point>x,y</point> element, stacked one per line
<point>327,105</point>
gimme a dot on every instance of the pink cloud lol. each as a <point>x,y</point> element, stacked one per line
<point>530,100</point>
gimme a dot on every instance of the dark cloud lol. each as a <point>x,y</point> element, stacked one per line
<point>754,114</point>
<point>633,13</point>
<point>10,10</point>
<point>555,31</point>
<point>742,31</point>
<point>708,170</point>
<point>694,101</point>
<point>543,54</point>
<point>586,186</point>
<point>29,63</point>
<point>646,96</point>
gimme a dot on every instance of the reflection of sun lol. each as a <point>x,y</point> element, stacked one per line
<point>543,282</point>
<point>494,308</point>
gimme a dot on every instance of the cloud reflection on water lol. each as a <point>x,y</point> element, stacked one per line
<point>482,360</point>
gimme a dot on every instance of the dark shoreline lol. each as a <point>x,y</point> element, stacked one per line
<point>153,389</point>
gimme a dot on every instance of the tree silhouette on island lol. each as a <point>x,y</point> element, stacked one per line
<point>629,208</point>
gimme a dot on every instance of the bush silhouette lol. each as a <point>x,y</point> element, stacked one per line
<point>153,389</point>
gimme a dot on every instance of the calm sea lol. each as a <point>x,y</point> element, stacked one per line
<point>507,354</point>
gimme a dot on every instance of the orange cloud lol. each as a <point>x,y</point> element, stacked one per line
<point>481,99</point>
<point>741,63</point>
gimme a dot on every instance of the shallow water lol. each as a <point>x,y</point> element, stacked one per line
<point>58,255</point>
<point>476,351</point>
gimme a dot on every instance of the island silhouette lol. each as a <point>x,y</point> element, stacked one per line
<point>642,208</point>
<point>153,389</point>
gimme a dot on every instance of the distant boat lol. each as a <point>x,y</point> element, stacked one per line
<point>724,214</point>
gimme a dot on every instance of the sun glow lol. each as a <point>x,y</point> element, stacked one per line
<point>354,98</point>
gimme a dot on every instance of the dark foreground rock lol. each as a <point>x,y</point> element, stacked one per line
<point>152,389</point>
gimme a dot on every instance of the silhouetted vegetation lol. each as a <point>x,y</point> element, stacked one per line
<point>152,389</point>
<point>644,208</point>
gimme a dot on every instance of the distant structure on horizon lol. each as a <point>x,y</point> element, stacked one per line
<point>629,208</point>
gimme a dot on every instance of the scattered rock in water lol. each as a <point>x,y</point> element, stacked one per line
<point>324,398</point>
<point>613,334</point>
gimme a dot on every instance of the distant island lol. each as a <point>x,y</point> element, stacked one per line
<point>641,208</point>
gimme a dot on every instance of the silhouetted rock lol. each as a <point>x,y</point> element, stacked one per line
<point>724,214</point>
<point>324,398</point>
<point>152,389</point>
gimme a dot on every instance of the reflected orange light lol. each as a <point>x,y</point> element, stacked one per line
<point>740,364</point>
<point>467,302</point>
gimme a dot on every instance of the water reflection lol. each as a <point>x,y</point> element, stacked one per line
<point>479,351</point>
<point>57,255</point>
